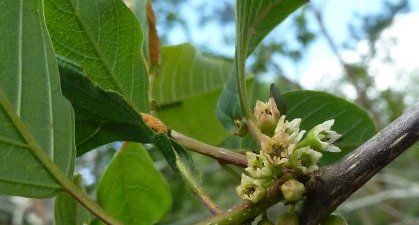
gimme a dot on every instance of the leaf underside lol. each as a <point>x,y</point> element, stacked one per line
<point>106,39</point>
<point>29,80</point>
<point>101,116</point>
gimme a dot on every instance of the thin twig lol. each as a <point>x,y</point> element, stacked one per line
<point>196,188</point>
<point>221,154</point>
<point>246,210</point>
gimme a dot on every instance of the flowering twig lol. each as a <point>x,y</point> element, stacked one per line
<point>329,187</point>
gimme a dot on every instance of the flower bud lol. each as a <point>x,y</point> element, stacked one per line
<point>287,218</point>
<point>305,160</point>
<point>251,189</point>
<point>334,219</point>
<point>258,166</point>
<point>292,190</point>
<point>321,138</point>
<point>267,115</point>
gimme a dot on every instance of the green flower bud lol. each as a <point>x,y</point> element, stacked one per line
<point>251,189</point>
<point>287,218</point>
<point>334,219</point>
<point>305,159</point>
<point>292,190</point>
<point>321,138</point>
<point>258,166</point>
<point>267,115</point>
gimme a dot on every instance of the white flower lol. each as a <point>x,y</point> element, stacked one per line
<point>282,144</point>
<point>258,166</point>
<point>321,138</point>
<point>305,159</point>
<point>251,189</point>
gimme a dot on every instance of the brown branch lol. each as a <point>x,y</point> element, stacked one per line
<point>332,185</point>
<point>221,154</point>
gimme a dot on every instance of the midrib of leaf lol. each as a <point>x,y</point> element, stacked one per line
<point>260,15</point>
<point>25,133</point>
<point>131,211</point>
<point>98,52</point>
<point>20,67</point>
<point>49,98</point>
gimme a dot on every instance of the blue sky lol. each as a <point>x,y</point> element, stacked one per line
<point>319,61</point>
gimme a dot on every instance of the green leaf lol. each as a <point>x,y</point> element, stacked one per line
<point>36,121</point>
<point>315,107</point>
<point>132,190</point>
<point>173,152</point>
<point>164,145</point>
<point>106,39</point>
<point>139,8</point>
<point>101,116</point>
<point>67,211</point>
<point>185,72</point>
<point>198,111</point>
<point>228,108</point>
<point>255,19</point>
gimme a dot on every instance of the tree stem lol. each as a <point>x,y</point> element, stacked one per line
<point>334,184</point>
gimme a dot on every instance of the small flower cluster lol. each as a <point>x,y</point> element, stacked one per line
<point>283,146</point>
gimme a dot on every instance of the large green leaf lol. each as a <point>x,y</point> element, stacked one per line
<point>195,117</point>
<point>105,38</point>
<point>67,211</point>
<point>255,19</point>
<point>187,86</point>
<point>315,107</point>
<point>198,110</point>
<point>132,190</point>
<point>185,72</point>
<point>101,116</point>
<point>36,121</point>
